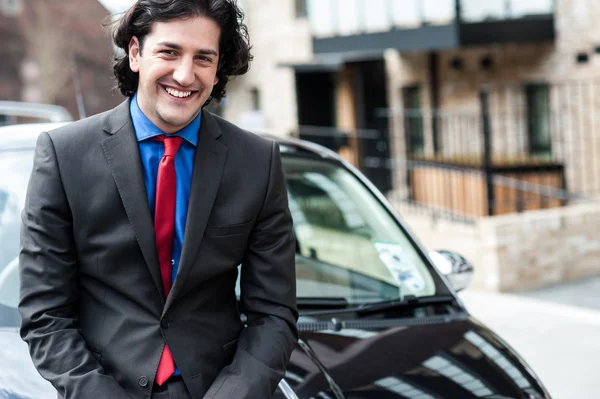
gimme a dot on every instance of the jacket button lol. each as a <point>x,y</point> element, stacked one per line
<point>164,323</point>
<point>143,381</point>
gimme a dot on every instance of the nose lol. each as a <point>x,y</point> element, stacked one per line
<point>184,73</point>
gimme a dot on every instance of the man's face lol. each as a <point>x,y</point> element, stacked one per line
<point>177,68</point>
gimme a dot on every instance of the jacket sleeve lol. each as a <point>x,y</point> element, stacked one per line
<point>49,287</point>
<point>268,299</point>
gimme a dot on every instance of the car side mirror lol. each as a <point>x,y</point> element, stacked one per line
<point>455,267</point>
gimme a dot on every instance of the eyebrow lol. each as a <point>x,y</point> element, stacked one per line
<point>178,47</point>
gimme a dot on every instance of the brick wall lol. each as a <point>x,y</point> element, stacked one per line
<point>39,69</point>
<point>14,54</point>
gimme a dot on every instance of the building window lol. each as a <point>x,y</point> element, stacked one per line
<point>538,118</point>
<point>10,8</point>
<point>413,120</point>
<point>255,98</point>
<point>301,8</point>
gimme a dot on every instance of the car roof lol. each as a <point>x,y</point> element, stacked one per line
<point>49,112</point>
<point>25,135</point>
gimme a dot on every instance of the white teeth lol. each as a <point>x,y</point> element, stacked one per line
<point>177,93</point>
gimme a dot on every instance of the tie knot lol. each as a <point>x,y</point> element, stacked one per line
<point>171,144</point>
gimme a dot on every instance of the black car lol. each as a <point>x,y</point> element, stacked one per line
<point>379,317</point>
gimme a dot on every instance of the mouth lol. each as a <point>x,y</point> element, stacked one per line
<point>179,94</point>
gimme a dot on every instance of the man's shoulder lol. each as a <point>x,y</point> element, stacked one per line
<point>76,128</point>
<point>83,130</point>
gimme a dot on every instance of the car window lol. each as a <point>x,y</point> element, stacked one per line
<point>16,167</point>
<point>347,243</point>
<point>9,284</point>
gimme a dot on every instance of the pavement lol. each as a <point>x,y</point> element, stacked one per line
<point>556,330</point>
<point>584,293</point>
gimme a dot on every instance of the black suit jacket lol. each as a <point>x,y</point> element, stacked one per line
<point>92,304</point>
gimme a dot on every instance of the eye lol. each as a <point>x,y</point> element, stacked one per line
<point>168,52</point>
<point>204,58</point>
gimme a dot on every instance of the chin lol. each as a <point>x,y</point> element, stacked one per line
<point>178,120</point>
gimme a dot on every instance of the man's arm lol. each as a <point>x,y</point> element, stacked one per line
<point>268,299</point>
<point>49,287</point>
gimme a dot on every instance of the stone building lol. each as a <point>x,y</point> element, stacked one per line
<point>466,108</point>
<point>57,52</point>
<point>319,64</point>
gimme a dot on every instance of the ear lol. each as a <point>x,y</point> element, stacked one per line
<point>134,54</point>
<point>216,80</point>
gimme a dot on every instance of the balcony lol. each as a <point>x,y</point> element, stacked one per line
<point>358,26</point>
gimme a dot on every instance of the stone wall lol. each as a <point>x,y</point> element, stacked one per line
<point>520,251</point>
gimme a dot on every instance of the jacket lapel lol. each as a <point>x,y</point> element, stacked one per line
<point>122,154</point>
<point>206,178</point>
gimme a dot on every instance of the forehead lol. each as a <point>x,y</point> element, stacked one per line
<point>194,33</point>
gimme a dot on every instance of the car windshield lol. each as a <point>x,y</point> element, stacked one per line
<point>348,245</point>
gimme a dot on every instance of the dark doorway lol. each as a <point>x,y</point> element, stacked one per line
<point>374,146</point>
<point>315,93</point>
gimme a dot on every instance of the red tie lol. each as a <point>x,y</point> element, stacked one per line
<point>164,226</point>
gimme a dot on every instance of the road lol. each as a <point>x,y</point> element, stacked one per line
<point>560,341</point>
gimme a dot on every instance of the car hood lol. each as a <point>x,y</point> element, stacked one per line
<point>454,357</point>
<point>18,377</point>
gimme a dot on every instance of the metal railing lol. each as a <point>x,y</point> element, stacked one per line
<point>483,162</point>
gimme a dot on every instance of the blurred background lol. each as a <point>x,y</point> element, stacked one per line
<point>479,120</point>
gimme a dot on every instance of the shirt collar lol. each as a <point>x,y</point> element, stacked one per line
<point>145,129</point>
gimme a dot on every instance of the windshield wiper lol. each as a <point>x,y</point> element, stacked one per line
<point>331,306</point>
<point>322,302</point>
<point>406,301</point>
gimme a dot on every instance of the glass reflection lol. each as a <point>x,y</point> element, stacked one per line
<point>498,358</point>
<point>403,388</point>
<point>458,375</point>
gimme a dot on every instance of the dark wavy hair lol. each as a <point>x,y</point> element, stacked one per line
<point>234,46</point>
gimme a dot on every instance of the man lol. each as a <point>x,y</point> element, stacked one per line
<point>136,221</point>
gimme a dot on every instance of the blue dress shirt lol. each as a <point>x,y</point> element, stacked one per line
<point>151,152</point>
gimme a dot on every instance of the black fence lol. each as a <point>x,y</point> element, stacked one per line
<point>524,148</point>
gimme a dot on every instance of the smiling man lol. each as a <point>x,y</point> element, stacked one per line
<point>136,221</point>
<point>177,65</point>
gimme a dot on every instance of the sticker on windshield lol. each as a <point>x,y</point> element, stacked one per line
<point>401,268</point>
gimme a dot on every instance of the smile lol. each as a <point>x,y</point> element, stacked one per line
<point>177,93</point>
